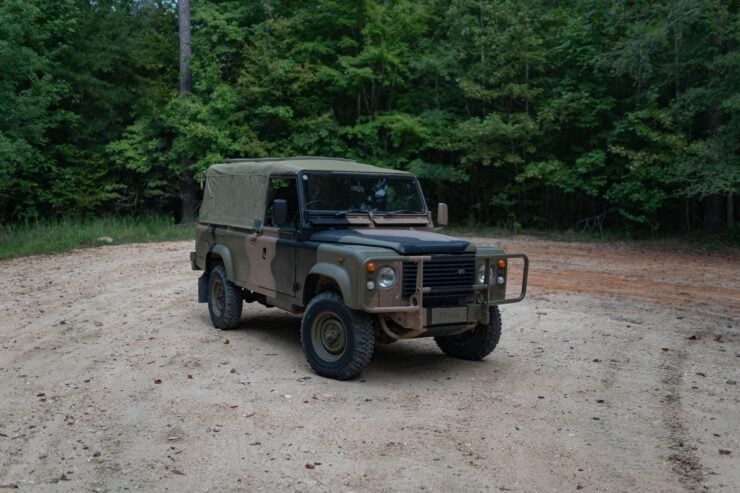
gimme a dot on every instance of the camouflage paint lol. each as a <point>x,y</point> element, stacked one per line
<point>283,269</point>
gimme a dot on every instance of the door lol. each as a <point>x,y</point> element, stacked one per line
<point>273,256</point>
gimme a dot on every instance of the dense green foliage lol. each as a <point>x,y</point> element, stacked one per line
<point>52,236</point>
<point>519,113</point>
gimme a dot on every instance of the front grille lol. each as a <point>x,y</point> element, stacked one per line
<point>450,277</point>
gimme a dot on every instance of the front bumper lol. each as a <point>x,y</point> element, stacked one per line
<point>418,320</point>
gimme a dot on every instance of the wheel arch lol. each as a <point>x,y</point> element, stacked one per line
<point>220,253</point>
<point>324,275</point>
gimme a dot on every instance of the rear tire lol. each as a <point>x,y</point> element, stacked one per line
<point>338,341</point>
<point>224,300</point>
<point>474,344</point>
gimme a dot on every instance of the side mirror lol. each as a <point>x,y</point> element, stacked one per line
<point>279,212</point>
<point>442,214</point>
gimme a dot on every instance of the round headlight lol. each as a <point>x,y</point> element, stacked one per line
<point>386,277</point>
<point>482,274</point>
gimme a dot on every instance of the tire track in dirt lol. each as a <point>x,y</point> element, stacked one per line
<point>538,415</point>
<point>684,462</point>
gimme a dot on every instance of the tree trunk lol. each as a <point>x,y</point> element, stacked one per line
<point>186,80</point>
<point>713,212</point>
<point>713,219</point>
<point>188,194</point>
<point>188,191</point>
<point>730,210</point>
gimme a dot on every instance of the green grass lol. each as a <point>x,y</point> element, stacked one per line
<point>66,234</point>
<point>552,235</point>
<point>58,236</point>
<point>696,242</point>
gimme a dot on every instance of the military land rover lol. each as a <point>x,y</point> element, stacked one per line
<point>353,248</point>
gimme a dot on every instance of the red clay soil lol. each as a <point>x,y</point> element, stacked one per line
<point>705,282</point>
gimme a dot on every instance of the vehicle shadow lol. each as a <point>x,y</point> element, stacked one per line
<point>273,325</point>
<point>408,354</point>
<point>280,331</point>
<point>423,357</point>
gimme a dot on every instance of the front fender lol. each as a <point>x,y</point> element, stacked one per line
<point>341,277</point>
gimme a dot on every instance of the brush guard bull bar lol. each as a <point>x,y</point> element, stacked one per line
<point>416,301</point>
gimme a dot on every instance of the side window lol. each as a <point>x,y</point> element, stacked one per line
<point>285,189</point>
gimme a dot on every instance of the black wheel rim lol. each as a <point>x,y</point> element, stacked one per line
<point>328,337</point>
<point>218,297</point>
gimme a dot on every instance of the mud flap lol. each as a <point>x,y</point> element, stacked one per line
<point>203,289</point>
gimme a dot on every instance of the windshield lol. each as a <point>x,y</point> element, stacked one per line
<point>359,193</point>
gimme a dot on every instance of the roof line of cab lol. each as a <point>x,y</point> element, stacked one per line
<point>294,165</point>
<point>290,158</point>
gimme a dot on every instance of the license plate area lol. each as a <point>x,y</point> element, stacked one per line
<point>445,316</point>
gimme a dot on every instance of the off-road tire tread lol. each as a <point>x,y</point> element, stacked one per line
<point>234,302</point>
<point>363,333</point>
<point>477,349</point>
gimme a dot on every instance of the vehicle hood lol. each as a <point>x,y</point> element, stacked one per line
<point>403,241</point>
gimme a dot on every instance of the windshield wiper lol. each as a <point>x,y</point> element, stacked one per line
<point>400,211</point>
<point>351,211</point>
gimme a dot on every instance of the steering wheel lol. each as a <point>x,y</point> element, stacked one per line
<point>316,202</point>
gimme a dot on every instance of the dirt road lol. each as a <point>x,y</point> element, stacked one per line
<point>618,372</point>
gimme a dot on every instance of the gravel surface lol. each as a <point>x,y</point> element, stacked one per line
<point>618,372</point>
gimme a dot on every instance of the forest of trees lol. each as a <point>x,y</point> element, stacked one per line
<point>519,113</point>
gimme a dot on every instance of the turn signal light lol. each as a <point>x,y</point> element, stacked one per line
<point>502,264</point>
<point>371,267</point>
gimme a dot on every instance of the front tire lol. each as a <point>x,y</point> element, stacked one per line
<point>224,300</point>
<point>475,344</point>
<point>338,341</point>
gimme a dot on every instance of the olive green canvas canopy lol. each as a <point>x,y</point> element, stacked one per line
<point>292,165</point>
<point>235,191</point>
